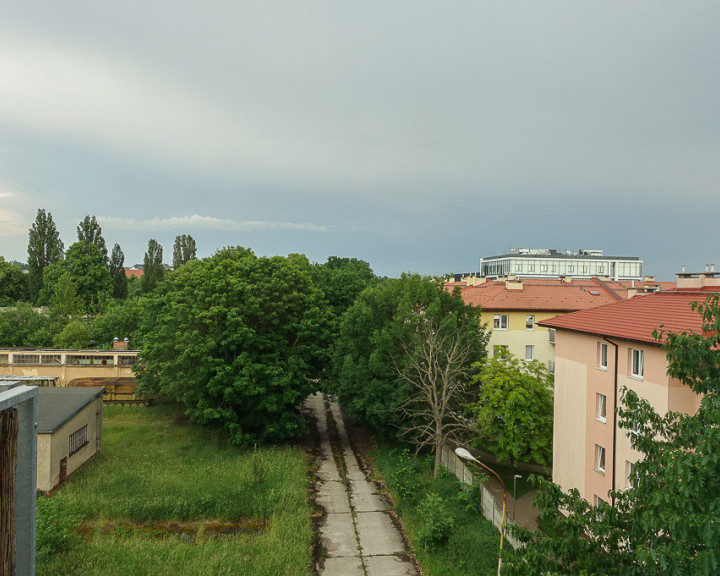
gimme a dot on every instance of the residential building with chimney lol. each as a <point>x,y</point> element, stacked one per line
<point>600,351</point>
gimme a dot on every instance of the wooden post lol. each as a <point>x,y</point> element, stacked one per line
<point>8,465</point>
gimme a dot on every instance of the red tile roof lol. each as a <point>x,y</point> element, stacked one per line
<point>130,273</point>
<point>638,317</point>
<point>553,295</point>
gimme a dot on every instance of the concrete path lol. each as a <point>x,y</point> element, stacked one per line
<point>359,538</point>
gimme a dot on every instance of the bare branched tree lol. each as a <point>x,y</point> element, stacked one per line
<point>438,365</point>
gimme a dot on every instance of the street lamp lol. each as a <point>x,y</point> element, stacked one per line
<point>465,455</point>
<point>515,479</point>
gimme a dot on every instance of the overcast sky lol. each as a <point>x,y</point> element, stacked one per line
<point>419,136</point>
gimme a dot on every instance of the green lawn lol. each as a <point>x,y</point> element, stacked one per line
<point>155,470</point>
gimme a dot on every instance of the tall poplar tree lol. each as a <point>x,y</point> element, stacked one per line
<point>117,272</point>
<point>89,231</point>
<point>153,269</point>
<point>44,248</point>
<point>184,250</point>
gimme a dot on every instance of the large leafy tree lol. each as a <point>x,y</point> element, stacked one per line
<point>153,268</point>
<point>342,280</point>
<point>89,231</point>
<point>668,522</point>
<point>121,319</point>
<point>23,326</point>
<point>239,341</point>
<point>513,408</point>
<point>184,250</point>
<point>13,283</point>
<point>85,266</point>
<point>117,273</point>
<point>44,248</point>
<point>375,335</point>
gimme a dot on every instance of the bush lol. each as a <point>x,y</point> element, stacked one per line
<point>55,527</point>
<point>438,522</point>
<point>405,479</point>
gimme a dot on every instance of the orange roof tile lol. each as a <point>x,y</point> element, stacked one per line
<point>638,317</point>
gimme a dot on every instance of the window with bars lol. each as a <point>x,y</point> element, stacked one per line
<point>78,439</point>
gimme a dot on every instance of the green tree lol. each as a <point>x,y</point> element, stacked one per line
<point>86,266</point>
<point>342,280</point>
<point>121,319</point>
<point>369,350</point>
<point>89,231</point>
<point>239,341</point>
<point>44,248</point>
<point>117,273</point>
<point>153,269</point>
<point>667,523</point>
<point>184,250</point>
<point>513,409</point>
<point>64,300</point>
<point>13,283</point>
<point>24,326</point>
<point>75,335</point>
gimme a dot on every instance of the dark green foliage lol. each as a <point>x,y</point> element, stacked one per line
<point>184,250</point>
<point>23,326</point>
<point>75,335</point>
<point>153,269</point>
<point>405,479</point>
<point>89,231</point>
<point>237,339</point>
<point>369,351</point>
<point>514,408</point>
<point>342,280</point>
<point>117,273</point>
<point>44,248</point>
<point>13,283</point>
<point>667,523</point>
<point>121,319</point>
<point>86,266</point>
<point>64,300</point>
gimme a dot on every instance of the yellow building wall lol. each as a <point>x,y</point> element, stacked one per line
<point>516,337</point>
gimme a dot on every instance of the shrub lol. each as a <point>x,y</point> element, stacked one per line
<point>438,523</point>
<point>405,479</point>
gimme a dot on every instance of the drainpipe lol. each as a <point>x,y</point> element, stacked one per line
<point>615,405</point>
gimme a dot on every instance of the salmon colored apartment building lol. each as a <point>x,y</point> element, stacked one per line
<point>600,351</point>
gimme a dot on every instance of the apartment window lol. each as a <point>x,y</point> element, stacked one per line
<point>529,352</point>
<point>603,355</point>
<point>78,439</point>
<point>543,267</point>
<point>599,458</point>
<point>637,362</point>
<point>531,267</point>
<point>551,366</point>
<point>571,268</point>
<point>500,322</point>
<point>631,474</point>
<point>530,322</point>
<point>551,335</point>
<point>601,407</point>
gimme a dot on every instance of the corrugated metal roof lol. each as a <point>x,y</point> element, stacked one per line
<point>57,406</point>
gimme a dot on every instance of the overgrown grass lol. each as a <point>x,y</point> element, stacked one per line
<point>472,544</point>
<point>153,468</point>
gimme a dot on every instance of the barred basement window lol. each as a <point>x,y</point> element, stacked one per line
<point>78,439</point>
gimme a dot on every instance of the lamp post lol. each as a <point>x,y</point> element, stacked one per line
<point>515,479</point>
<point>465,455</point>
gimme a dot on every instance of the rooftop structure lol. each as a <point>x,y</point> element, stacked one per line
<point>549,263</point>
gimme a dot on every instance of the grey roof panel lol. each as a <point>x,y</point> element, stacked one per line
<point>57,406</point>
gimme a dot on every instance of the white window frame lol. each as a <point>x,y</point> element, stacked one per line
<point>603,356</point>
<point>530,322</point>
<point>77,440</point>
<point>599,458</point>
<point>601,408</point>
<point>637,363</point>
<point>529,352</point>
<point>501,322</point>
<point>631,476</point>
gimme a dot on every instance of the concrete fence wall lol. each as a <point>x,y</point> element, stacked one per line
<point>490,507</point>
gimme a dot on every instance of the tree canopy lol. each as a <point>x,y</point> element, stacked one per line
<point>238,340</point>
<point>13,283</point>
<point>667,522</point>
<point>117,273</point>
<point>89,231</point>
<point>373,334</point>
<point>184,250</point>
<point>153,269</point>
<point>44,248</point>
<point>342,280</point>
<point>513,408</point>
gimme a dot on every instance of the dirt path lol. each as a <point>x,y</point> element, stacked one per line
<point>357,534</point>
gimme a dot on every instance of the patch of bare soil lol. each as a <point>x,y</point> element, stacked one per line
<point>317,513</point>
<point>196,530</point>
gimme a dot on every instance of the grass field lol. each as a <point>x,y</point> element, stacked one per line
<point>157,475</point>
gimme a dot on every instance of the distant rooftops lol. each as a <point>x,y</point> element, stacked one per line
<point>552,253</point>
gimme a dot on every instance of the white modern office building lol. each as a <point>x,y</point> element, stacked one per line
<point>549,263</point>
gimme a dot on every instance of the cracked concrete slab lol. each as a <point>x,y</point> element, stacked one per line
<point>388,566</point>
<point>378,534</point>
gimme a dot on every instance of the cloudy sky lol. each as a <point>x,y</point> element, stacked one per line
<point>419,136</point>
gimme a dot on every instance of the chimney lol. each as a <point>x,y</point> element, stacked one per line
<point>712,268</point>
<point>124,345</point>
<point>682,269</point>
